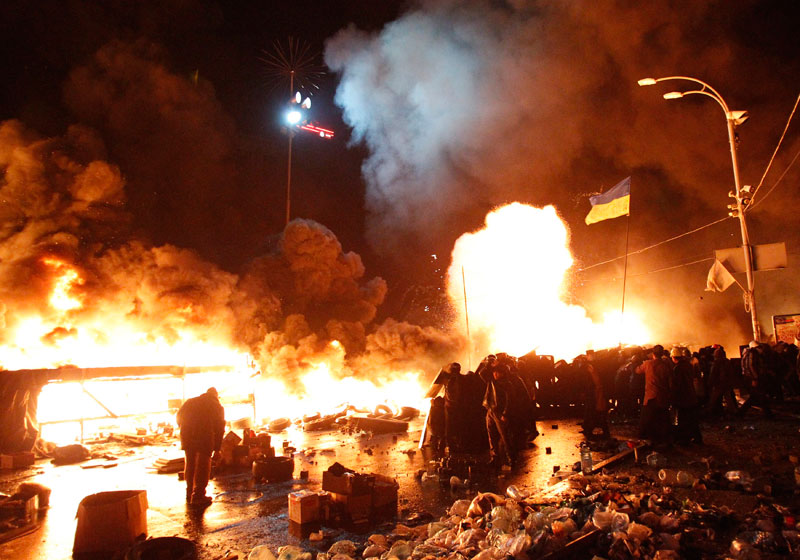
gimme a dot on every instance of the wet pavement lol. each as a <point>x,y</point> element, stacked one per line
<point>245,514</point>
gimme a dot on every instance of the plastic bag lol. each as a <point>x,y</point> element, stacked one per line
<point>639,532</point>
<point>490,553</point>
<point>620,521</point>
<point>289,553</point>
<point>516,545</point>
<point>343,547</point>
<point>505,518</point>
<point>400,550</point>
<point>562,529</point>
<point>261,552</point>
<point>459,508</point>
<point>602,519</point>
<point>483,503</point>
<point>435,527</point>
<point>516,493</point>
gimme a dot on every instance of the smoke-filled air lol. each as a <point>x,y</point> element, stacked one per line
<point>145,231</point>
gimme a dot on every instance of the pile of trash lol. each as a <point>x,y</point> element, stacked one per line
<point>595,515</point>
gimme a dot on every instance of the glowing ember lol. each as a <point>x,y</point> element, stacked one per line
<point>515,271</point>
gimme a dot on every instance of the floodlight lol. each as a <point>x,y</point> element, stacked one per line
<point>293,117</point>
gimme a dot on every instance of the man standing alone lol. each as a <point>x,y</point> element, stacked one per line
<point>202,422</point>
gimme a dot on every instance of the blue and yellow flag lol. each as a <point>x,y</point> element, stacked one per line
<point>613,203</point>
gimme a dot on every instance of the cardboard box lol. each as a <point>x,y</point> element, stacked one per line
<point>302,530</point>
<point>304,507</point>
<point>349,483</point>
<point>110,521</point>
<point>231,440</point>
<point>355,507</point>
<point>384,493</point>
<point>17,460</point>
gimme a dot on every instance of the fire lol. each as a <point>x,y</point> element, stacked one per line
<point>324,391</point>
<point>61,297</point>
<point>514,272</point>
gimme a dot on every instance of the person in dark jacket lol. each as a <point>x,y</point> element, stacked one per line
<point>721,381</point>
<point>684,397</point>
<point>497,402</point>
<point>756,375</point>
<point>201,420</point>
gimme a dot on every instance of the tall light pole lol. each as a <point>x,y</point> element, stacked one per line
<point>733,119</point>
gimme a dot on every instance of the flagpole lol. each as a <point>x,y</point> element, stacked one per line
<point>624,277</point>
<point>466,316</point>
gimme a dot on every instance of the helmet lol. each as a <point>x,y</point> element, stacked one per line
<point>676,352</point>
<point>753,344</point>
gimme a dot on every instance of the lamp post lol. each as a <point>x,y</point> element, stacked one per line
<point>742,196</point>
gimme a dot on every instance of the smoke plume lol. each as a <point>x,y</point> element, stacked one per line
<point>465,106</point>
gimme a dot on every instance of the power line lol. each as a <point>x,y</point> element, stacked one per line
<point>656,244</point>
<point>682,265</point>
<point>788,167</point>
<point>761,182</point>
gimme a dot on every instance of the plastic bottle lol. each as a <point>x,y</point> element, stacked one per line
<point>675,478</point>
<point>655,459</point>
<point>586,459</point>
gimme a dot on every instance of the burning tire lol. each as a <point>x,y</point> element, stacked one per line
<point>273,469</point>
<point>382,411</point>
<point>279,424</point>
<point>166,548</point>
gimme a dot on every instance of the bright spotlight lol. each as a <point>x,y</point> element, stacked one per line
<point>293,117</point>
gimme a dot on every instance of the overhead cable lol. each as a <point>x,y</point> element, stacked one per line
<point>656,244</point>
<point>788,122</point>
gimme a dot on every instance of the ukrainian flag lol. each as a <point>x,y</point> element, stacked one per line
<point>613,203</point>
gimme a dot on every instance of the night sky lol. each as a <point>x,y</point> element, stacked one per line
<point>442,111</point>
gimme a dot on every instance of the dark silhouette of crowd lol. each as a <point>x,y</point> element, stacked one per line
<point>495,407</point>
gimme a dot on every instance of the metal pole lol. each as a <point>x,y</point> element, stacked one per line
<point>707,90</point>
<point>750,294</point>
<point>624,280</point>
<point>289,181</point>
<point>466,315</point>
<point>289,163</point>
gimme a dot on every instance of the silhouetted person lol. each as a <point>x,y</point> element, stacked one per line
<point>595,412</point>
<point>497,402</point>
<point>684,397</point>
<point>202,423</point>
<point>721,380</point>
<point>655,422</point>
<point>756,375</point>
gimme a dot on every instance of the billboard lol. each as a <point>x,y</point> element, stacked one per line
<point>787,327</point>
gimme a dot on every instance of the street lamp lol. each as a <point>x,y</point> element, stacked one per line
<point>741,195</point>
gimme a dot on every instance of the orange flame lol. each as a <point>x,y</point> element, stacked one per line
<point>61,297</point>
<point>515,273</point>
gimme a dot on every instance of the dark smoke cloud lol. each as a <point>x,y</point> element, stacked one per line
<point>62,207</point>
<point>188,176</point>
<point>57,200</point>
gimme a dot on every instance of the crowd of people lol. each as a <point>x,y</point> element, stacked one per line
<point>670,392</point>
<point>491,408</point>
